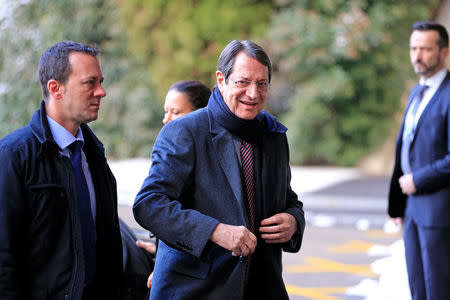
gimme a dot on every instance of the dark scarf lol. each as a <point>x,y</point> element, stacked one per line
<point>249,130</point>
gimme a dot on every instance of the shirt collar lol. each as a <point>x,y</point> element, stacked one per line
<point>62,136</point>
<point>435,80</point>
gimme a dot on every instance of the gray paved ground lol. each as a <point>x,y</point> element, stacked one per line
<point>349,202</point>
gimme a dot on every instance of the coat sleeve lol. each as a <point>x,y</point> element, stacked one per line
<point>295,208</point>
<point>12,218</point>
<point>159,205</point>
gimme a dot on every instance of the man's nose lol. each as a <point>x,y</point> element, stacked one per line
<point>418,55</point>
<point>252,90</point>
<point>100,91</point>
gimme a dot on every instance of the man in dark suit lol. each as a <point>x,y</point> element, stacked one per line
<point>218,193</point>
<point>419,197</point>
<point>59,230</point>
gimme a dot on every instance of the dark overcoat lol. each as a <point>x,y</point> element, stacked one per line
<point>41,251</point>
<point>194,183</point>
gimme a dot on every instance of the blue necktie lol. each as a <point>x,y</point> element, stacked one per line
<point>84,209</point>
<point>408,130</point>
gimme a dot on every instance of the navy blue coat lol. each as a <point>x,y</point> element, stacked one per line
<point>194,183</point>
<point>430,164</point>
<point>41,252</point>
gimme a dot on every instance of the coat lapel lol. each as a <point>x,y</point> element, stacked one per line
<point>430,104</point>
<point>226,155</point>
<point>402,127</point>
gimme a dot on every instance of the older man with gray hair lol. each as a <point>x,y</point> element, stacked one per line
<point>218,192</point>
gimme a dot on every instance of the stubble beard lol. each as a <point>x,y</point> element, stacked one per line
<point>427,69</point>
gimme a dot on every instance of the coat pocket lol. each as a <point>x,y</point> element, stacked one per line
<point>47,189</point>
<point>48,205</point>
<point>184,263</point>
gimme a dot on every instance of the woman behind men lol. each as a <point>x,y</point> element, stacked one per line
<point>182,98</point>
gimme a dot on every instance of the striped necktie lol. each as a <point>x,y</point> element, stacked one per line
<point>248,163</point>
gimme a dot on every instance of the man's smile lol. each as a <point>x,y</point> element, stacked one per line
<point>249,103</point>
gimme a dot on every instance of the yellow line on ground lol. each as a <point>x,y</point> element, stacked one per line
<point>378,233</point>
<point>320,265</point>
<point>352,246</point>
<point>316,293</point>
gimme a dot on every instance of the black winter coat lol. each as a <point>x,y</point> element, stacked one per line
<point>41,251</point>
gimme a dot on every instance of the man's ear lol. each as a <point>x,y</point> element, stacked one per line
<point>220,80</point>
<point>445,52</point>
<point>55,89</point>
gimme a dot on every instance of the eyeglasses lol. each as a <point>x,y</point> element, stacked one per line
<point>262,86</point>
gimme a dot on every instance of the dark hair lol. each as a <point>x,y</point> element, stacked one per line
<point>428,25</point>
<point>229,53</point>
<point>54,63</point>
<point>198,93</point>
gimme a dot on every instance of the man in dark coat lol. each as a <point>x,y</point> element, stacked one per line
<point>59,230</point>
<point>419,197</point>
<point>218,193</point>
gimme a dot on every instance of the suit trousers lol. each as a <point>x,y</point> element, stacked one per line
<point>427,251</point>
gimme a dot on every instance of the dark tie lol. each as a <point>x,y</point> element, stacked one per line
<point>247,159</point>
<point>85,212</point>
<point>408,130</point>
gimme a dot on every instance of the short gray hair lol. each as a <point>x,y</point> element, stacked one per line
<point>229,53</point>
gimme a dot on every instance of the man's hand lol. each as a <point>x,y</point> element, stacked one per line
<point>238,239</point>
<point>148,246</point>
<point>149,280</point>
<point>407,184</point>
<point>398,222</point>
<point>279,228</point>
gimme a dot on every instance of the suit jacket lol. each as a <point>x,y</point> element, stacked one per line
<point>430,164</point>
<point>194,183</point>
